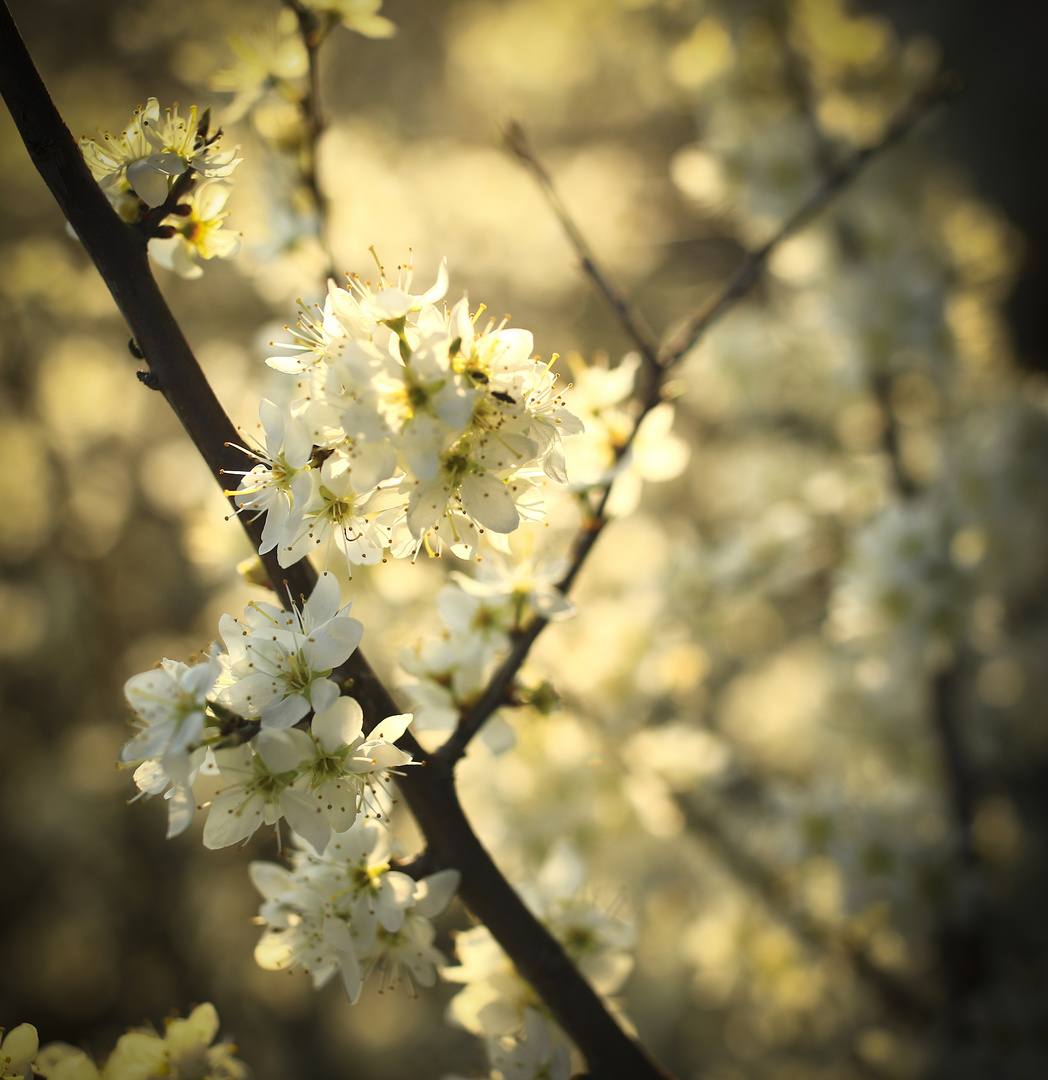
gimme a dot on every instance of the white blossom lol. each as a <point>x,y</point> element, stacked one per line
<point>280,483</point>
<point>432,432</point>
<point>169,704</point>
<point>278,661</point>
<point>186,1051</point>
<point>532,1056</point>
<point>345,762</point>
<point>151,152</point>
<point>347,911</point>
<point>359,15</point>
<point>261,775</point>
<point>197,233</point>
<point>17,1050</point>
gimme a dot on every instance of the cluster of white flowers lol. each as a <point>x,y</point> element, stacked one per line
<point>345,910</point>
<point>409,428</point>
<point>903,586</point>
<point>273,670</point>
<point>186,1051</point>
<point>359,15</point>
<point>446,673</point>
<point>889,851</point>
<point>533,1055</point>
<point>139,168</point>
<point>268,58</point>
<point>603,398</point>
<point>495,1001</point>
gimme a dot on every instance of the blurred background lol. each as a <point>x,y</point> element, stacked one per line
<point>801,737</point>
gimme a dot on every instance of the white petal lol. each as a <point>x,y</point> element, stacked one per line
<point>232,819</point>
<point>180,807</point>
<point>210,197</point>
<point>270,879</point>
<point>323,693</point>
<point>284,714</point>
<point>148,184</point>
<point>380,756</point>
<point>391,728</point>
<point>21,1044</point>
<point>333,644</point>
<point>324,601</point>
<point>274,952</point>
<point>439,287</point>
<point>434,893</point>
<point>489,502</point>
<point>428,502</point>
<point>349,968</point>
<point>392,303</point>
<point>283,751</point>
<point>339,725</point>
<point>305,817</point>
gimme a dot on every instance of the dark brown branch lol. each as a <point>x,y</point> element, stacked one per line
<point>119,252</point>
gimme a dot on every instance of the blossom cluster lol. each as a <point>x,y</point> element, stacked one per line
<point>359,15</point>
<point>408,428</point>
<point>271,58</point>
<point>345,910</point>
<point>156,157</point>
<point>233,713</point>
<point>603,398</point>
<point>891,852</point>
<point>186,1051</point>
<point>443,674</point>
<point>532,1055</point>
<point>497,1004</point>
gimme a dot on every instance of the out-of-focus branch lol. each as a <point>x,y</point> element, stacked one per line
<point>961,935</point>
<point>119,252</point>
<point>962,939</point>
<point>960,786</point>
<point>907,1006</point>
<point>901,479</point>
<point>497,691</point>
<point>313,33</point>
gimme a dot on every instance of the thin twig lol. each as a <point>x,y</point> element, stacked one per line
<point>119,252</point>
<point>313,33</point>
<point>495,693</point>
<point>631,320</point>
